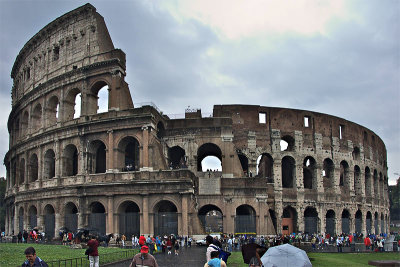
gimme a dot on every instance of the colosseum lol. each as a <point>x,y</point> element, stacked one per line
<point>132,169</point>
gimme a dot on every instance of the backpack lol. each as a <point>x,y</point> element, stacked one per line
<point>223,255</point>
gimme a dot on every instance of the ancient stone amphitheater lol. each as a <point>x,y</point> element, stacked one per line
<point>134,170</point>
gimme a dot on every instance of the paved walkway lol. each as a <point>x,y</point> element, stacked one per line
<point>193,257</point>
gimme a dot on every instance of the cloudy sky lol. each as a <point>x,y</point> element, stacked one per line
<point>336,57</point>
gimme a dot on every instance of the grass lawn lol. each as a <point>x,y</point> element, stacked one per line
<point>13,254</point>
<point>330,259</point>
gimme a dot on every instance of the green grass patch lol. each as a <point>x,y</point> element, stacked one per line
<point>330,259</point>
<point>13,254</point>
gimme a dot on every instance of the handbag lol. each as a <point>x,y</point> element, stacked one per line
<point>88,251</point>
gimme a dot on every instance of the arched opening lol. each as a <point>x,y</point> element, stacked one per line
<point>288,172</point>
<point>265,166</point>
<point>129,219</point>
<point>211,219</point>
<point>97,159</point>
<point>382,224</point>
<point>165,218</point>
<point>358,221</point>
<point>310,220</point>
<point>49,221</point>
<point>345,221</point>
<point>289,220</point>
<point>49,168</point>
<point>287,143</point>
<point>244,162</point>
<point>376,184</point>
<point>71,217</point>
<point>272,215</point>
<point>328,173</point>
<point>214,157</point>
<point>98,101</point>
<point>129,154</point>
<point>356,153</point>
<point>32,214</point>
<point>381,185</point>
<point>367,182</point>
<point>21,219</point>
<point>70,160</point>
<point>37,117</point>
<point>344,174</point>
<point>33,168</point>
<point>357,180</point>
<point>13,181</point>
<point>21,172</point>
<point>16,130</point>
<point>160,130</point>
<point>309,173</point>
<point>177,158</point>
<point>72,104</point>
<point>24,124</point>
<point>376,223</point>
<point>245,220</point>
<point>97,217</point>
<point>369,222</point>
<point>330,222</point>
<point>52,111</point>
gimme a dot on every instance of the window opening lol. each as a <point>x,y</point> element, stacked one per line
<point>341,131</point>
<point>77,108</point>
<point>262,117</point>
<point>306,121</point>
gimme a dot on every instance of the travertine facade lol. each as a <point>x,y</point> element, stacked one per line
<point>132,170</point>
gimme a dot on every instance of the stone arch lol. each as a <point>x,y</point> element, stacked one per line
<point>128,154</point>
<point>97,103</point>
<point>381,185</point>
<point>330,219</point>
<point>356,153</point>
<point>211,218</point>
<point>177,157</point>
<point>344,174</point>
<point>309,173</point>
<point>288,172</point>
<point>24,123</point>
<point>37,117</point>
<point>265,166</point>
<point>71,111</point>
<point>33,168</point>
<point>382,223</point>
<point>165,218</point>
<point>345,221</point>
<point>376,223</point>
<point>17,129</point>
<point>52,110</point>
<point>206,150</point>
<point>32,216</point>
<point>245,220</point>
<point>376,183</point>
<point>244,163</point>
<point>21,219</point>
<point>311,220</point>
<point>358,223</point>
<point>368,222</point>
<point>287,143</point>
<point>367,181</point>
<point>289,220</point>
<point>97,217</point>
<point>71,216</point>
<point>70,160</point>
<point>98,157</point>
<point>357,180</point>
<point>328,173</point>
<point>160,130</point>
<point>129,218</point>
<point>49,221</point>
<point>49,170</point>
<point>21,171</point>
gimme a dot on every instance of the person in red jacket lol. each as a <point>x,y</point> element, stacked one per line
<point>142,240</point>
<point>93,244</point>
<point>367,242</point>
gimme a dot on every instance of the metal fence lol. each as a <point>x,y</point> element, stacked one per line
<point>84,261</point>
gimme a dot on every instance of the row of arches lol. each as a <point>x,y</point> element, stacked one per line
<point>46,113</point>
<point>358,223</point>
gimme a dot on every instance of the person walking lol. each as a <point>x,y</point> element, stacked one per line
<point>143,259</point>
<point>93,244</point>
<point>32,259</point>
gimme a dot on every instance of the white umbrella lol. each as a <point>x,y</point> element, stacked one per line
<point>285,256</point>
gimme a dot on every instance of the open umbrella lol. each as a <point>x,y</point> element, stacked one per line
<point>285,256</point>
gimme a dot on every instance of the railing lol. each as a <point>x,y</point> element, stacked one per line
<point>84,261</point>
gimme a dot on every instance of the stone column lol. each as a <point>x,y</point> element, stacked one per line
<point>7,229</point>
<point>185,219</point>
<point>145,226</point>
<point>110,215</point>
<point>110,152</point>
<point>58,159</point>
<point>144,165</point>
<point>58,223</point>
<point>16,219</point>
